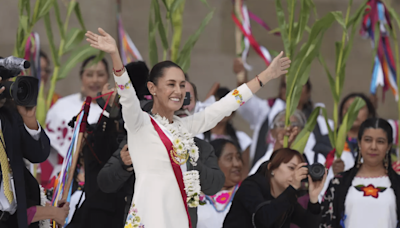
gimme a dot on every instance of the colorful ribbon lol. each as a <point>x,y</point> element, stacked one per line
<point>384,70</point>
<point>128,50</point>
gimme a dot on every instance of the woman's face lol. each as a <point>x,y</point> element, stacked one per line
<point>231,164</point>
<point>94,78</point>
<point>283,175</point>
<point>170,89</point>
<point>374,146</point>
<point>362,114</point>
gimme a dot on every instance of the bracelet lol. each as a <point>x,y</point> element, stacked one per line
<point>259,81</point>
<point>117,71</point>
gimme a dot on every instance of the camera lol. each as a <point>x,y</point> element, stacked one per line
<point>24,90</point>
<point>316,171</point>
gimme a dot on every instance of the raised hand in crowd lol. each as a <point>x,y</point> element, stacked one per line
<point>337,166</point>
<point>315,187</point>
<point>291,132</point>
<point>125,156</point>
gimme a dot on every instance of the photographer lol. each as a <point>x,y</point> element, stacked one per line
<point>118,174</point>
<point>21,137</point>
<point>269,197</point>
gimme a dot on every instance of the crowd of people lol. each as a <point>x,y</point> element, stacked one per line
<point>152,159</point>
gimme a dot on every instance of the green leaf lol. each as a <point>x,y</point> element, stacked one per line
<point>78,14</point>
<point>75,58</point>
<point>339,18</point>
<point>158,20</point>
<point>330,78</point>
<point>177,24</point>
<point>74,38</point>
<point>301,140</point>
<point>59,21</point>
<point>23,22</point>
<point>50,37</point>
<point>275,30</point>
<point>153,54</point>
<point>342,78</point>
<point>166,5</point>
<point>394,15</point>
<point>184,57</point>
<point>347,123</point>
<point>304,18</point>
<point>175,5</point>
<point>282,26</point>
<point>71,7</point>
<point>36,11</point>
<point>338,46</point>
<point>273,53</point>
<point>45,8</point>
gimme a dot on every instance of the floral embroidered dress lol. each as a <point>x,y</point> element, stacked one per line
<point>158,200</point>
<point>212,214</point>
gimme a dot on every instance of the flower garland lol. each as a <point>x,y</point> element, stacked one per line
<point>184,149</point>
<point>43,199</point>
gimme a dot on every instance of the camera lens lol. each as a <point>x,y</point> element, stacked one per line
<point>23,91</point>
<point>316,171</point>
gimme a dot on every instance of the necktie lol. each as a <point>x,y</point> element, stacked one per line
<point>5,169</point>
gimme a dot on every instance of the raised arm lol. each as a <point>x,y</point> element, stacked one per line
<point>133,115</point>
<point>208,118</point>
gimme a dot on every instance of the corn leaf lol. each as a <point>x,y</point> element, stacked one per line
<point>78,14</point>
<point>339,18</point>
<point>74,37</point>
<point>76,57</point>
<point>158,20</point>
<point>153,54</point>
<point>347,123</point>
<point>45,8</point>
<point>177,24</point>
<point>23,22</point>
<point>71,7</point>
<point>184,56</point>
<point>21,6</point>
<point>36,11</point>
<point>330,78</point>
<point>301,140</point>
<point>282,26</point>
<point>50,37</point>
<point>304,17</point>
<point>100,55</point>
<point>393,14</point>
<point>166,5</point>
<point>338,45</point>
<point>58,18</point>
<point>175,5</point>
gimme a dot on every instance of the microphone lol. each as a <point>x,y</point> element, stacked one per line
<point>14,63</point>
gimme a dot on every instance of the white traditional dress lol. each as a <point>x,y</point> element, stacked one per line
<point>157,201</point>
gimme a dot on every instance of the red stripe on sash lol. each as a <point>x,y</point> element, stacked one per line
<point>177,169</point>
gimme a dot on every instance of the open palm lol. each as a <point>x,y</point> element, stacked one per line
<point>102,41</point>
<point>279,66</point>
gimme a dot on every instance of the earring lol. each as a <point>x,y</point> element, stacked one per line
<point>154,94</point>
<point>272,173</point>
<point>386,162</point>
<point>359,159</point>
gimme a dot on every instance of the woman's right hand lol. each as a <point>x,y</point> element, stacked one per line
<point>337,166</point>
<point>300,173</point>
<point>61,213</point>
<point>104,42</point>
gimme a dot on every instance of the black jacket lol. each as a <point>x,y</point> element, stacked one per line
<point>114,178</point>
<point>19,145</point>
<point>254,196</point>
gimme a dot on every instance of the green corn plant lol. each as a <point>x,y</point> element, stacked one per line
<point>174,21</point>
<point>292,34</point>
<point>70,44</point>
<point>27,21</point>
<point>337,135</point>
<point>393,33</point>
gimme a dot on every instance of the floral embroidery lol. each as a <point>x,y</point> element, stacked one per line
<point>126,86</point>
<point>238,97</point>
<point>133,220</point>
<point>370,190</point>
<point>223,197</point>
<point>222,200</point>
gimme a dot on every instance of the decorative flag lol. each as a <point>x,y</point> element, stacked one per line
<point>384,70</point>
<point>128,50</point>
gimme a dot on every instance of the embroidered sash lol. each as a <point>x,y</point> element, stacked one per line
<point>176,168</point>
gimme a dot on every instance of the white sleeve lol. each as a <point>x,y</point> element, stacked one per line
<point>34,133</point>
<point>208,118</point>
<point>132,113</point>
<point>244,140</point>
<point>254,111</point>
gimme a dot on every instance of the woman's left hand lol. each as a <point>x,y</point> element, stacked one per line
<point>315,187</point>
<point>103,42</point>
<point>277,68</point>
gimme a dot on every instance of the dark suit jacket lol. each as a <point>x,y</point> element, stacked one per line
<point>20,144</point>
<point>114,178</point>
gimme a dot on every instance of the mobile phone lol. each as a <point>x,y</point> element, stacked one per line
<point>186,101</point>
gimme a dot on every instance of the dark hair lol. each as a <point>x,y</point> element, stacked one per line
<point>86,62</point>
<point>138,73</point>
<point>194,91</point>
<point>376,123</point>
<point>42,54</point>
<point>186,77</point>
<point>158,70</point>
<point>370,106</point>
<point>279,156</point>
<point>219,145</point>
<point>230,130</point>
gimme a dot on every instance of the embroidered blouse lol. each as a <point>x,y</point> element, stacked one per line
<point>370,202</point>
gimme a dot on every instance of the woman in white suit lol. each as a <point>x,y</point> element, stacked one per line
<point>160,144</point>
